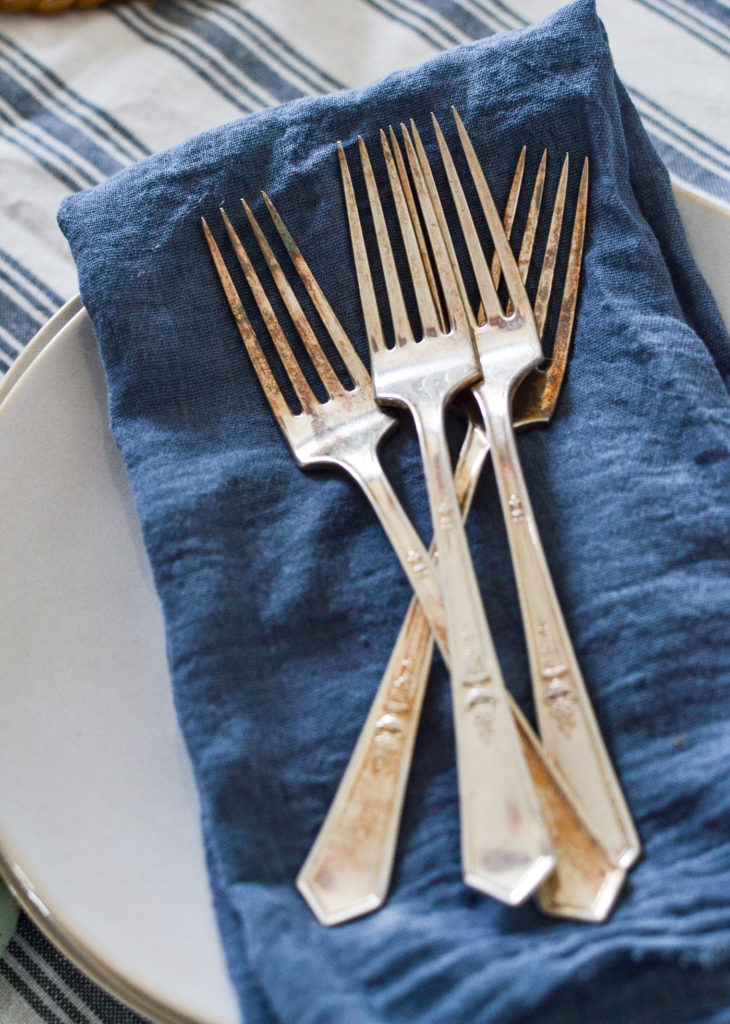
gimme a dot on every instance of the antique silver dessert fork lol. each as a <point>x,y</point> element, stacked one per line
<point>509,347</point>
<point>505,846</point>
<point>347,871</point>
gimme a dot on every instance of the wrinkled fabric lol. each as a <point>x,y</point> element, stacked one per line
<point>282,598</point>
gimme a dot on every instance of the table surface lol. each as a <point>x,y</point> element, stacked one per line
<point>84,93</point>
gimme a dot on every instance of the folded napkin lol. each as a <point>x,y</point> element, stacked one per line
<point>282,599</point>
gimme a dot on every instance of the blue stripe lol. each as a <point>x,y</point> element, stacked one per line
<point>713,9</point>
<point>11,293</point>
<point>65,1005</point>
<point>104,1006</point>
<point>493,17</point>
<point>27,993</point>
<point>278,47</point>
<point>470,24</point>
<point>256,69</point>
<point>413,21</point>
<point>510,13</point>
<point>19,323</point>
<point>20,326</point>
<point>702,144</point>
<point>71,183</point>
<point>134,19</point>
<point>54,301</point>
<point>7,355</point>
<point>720,46</point>
<point>52,86</point>
<point>689,170</point>
<point>31,111</point>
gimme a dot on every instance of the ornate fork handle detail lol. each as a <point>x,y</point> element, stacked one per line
<point>485,736</point>
<point>509,347</point>
<point>567,724</point>
<point>506,851</point>
<point>347,871</point>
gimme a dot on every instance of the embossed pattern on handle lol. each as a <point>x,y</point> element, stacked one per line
<point>566,720</point>
<point>506,850</point>
<point>348,869</point>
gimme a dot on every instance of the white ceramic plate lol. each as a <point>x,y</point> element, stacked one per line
<point>99,834</point>
<point>99,831</point>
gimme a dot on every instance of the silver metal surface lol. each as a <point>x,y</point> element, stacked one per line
<point>347,872</point>
<point>344,430</point>
<point>506,851</point>
<point>509,347</point>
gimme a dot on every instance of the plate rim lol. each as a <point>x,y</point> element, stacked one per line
<point>80,953</point>
<point>99,969</point>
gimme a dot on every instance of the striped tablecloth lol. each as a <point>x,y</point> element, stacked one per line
<point>84,93</point>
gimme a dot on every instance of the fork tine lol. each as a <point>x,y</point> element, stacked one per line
<point>545,284</point>
<point>537,396</point>
<point>299,382</point>
<point>401,323</point>
<point>276,400</point>
<point>438,208</point>
<point>509,212</point>
<point>533,216</point>
<point>416,221</point>
<point>440,238</point>
<point>561,343</point>
<point>321,363</point>
<point>509,266</point>
<point>334,328</point>
<point>371,314</point>
<point>487,291</point>
<point>430,324</point>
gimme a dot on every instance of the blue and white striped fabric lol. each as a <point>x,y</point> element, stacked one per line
<point>83,94</point>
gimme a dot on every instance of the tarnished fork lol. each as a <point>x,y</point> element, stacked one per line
<point>505,848</point>
<point>348,870</point>
<point>342,887</point>
<point>509,347</point>
<point>344,430</point>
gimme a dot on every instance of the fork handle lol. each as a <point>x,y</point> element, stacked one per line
<point>505,847</point>
<point>347,872</point>
<point>567,723</point>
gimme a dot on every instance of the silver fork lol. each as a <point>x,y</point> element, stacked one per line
<point>506,851</point>
<point>338,889</point>
<point>343,431</point>
<point>348,869</point>
<point>509,347</point>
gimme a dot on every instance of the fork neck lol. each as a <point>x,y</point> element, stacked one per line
<point>429,416</point>
<point>366,468</point>
<point>507,351</point>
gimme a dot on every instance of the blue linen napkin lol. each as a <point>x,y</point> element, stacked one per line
<point>282,599</point>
